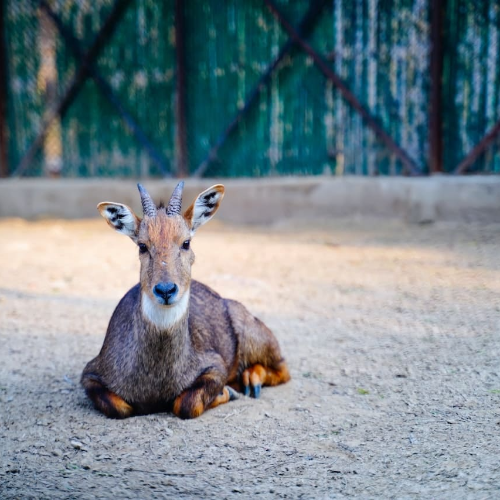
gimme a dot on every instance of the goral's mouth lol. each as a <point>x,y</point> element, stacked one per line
<point>164,315</point>
<point>170,302</point>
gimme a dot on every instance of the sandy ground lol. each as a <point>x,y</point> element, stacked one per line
<point>391,331</point>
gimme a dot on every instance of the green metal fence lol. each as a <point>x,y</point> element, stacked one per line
<point>471,93</point>
<point>248,88</point>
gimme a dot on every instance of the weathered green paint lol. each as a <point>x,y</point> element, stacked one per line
<point>139,65</point>
<point>471,81</point>
<point>300,124</point>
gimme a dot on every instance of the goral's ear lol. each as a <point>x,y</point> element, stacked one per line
<point>121,218</point>
<point>204,207</point>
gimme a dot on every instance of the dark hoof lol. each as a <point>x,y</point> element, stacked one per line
<point>246,390</point>
<point>232,393</point>
<point>256,391</point>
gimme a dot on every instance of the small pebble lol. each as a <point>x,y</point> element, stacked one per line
<point>77,445</point>
<point>86,464</point>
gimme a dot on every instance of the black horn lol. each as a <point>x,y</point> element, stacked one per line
<point>148,206</point>
<point>174,205</point>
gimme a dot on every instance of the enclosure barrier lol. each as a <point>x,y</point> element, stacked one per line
<point>265,88</point>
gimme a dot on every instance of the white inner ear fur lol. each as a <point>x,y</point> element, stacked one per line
<point>205,207</point>
<point>164,317</point>
<point>120,217</point>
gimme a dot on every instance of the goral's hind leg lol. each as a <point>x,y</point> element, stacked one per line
<point>107,402</point>
<point>254,377</point>
<point>258,352</point>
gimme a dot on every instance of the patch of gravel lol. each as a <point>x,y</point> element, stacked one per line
<point>391,331</point>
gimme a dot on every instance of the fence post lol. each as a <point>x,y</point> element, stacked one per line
<point>435,102</point>
<point>181,138</point>
<point>4,155</point>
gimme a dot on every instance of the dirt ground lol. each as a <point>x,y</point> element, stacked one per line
<point>391,331</point>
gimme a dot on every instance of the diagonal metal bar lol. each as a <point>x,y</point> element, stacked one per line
<point>304,28</point>
<point>106,89</point>
<point>408,163</point>
<point>60,108</point>
<point>479,149</point>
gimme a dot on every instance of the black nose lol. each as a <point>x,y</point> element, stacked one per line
<point>166,291</point>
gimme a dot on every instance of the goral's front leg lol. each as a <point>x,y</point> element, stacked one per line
<point>208,391</point>
<point>106,401</point>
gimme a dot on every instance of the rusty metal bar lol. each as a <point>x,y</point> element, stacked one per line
<point>180,111</point>
<point>478,150</point>
<point>304,28</point>
<point>106,89</point>
<point>435,105</point>
<point>409,164</point>
<point>60,108</point>
<point>4,140</point>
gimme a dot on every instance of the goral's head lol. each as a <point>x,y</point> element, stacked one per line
<point>163,236</point>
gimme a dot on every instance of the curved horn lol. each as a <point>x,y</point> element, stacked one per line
<point>174,205</point>
<point>148,206</point>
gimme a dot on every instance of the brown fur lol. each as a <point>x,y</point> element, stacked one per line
<point>186,366</point>
<point>164,236</point>
<point>260,375</point>
<point>222,398</point>
<point>106,401</point>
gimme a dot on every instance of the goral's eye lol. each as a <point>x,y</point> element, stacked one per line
<point>186,244</point>
<point>142,248</point>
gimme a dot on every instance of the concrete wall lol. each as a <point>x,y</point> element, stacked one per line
<point>264,201</point>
